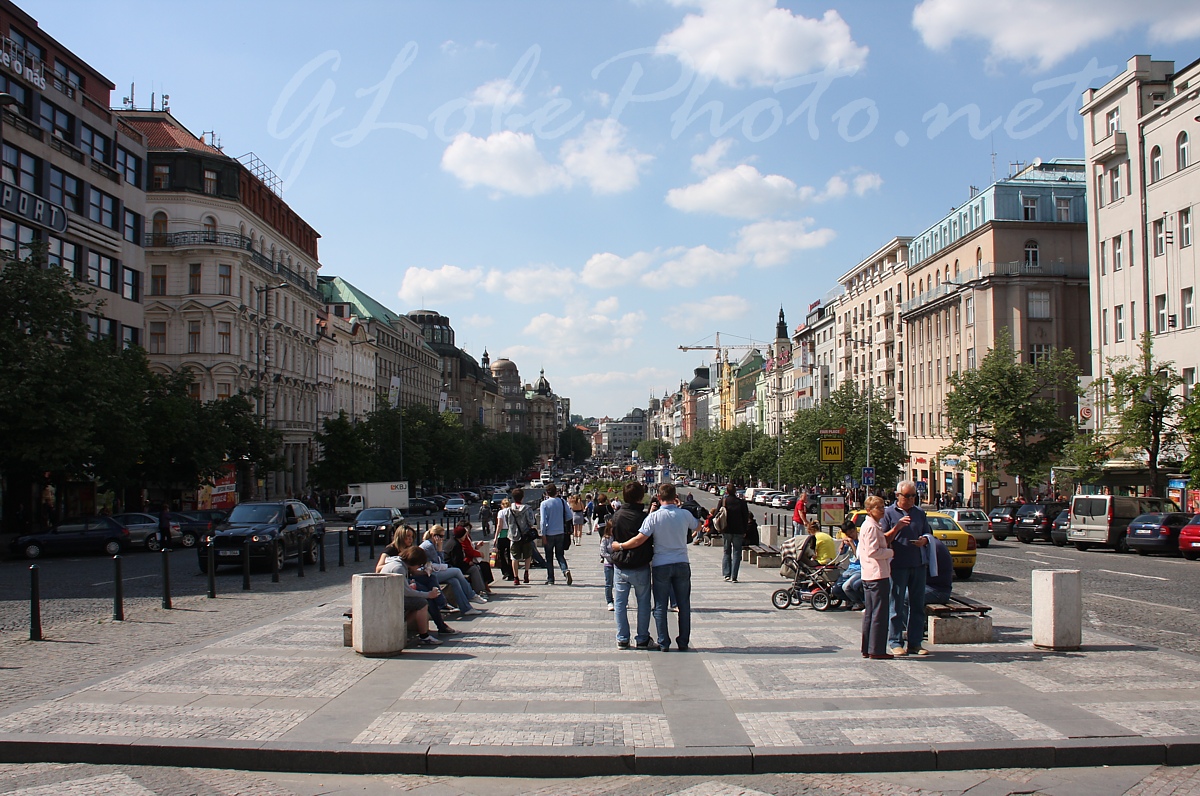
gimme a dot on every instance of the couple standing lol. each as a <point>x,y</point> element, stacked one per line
<point>649,552</point>
<point>891,551</point>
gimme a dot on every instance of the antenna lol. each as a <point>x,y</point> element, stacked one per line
<point>993,157</point>
<point>128,102</point>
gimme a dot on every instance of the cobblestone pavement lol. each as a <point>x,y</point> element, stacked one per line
<point>539,669</point>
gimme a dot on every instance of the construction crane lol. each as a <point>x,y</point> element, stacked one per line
<point>724,378</point>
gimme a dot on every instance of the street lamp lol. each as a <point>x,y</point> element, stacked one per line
<point>261,355</point>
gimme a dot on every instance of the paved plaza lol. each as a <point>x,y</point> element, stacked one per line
<point>536,687</point>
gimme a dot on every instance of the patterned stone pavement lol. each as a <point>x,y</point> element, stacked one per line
<point>539,669</point>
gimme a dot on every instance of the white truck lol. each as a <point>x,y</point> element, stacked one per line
<point>383,494</point>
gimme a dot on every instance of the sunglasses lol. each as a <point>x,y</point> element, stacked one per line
<point>909,495</point>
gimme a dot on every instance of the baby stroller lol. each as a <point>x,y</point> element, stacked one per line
<point>812,582</point>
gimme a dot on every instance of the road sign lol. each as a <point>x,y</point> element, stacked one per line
<point>833,432</point>
<point>833,510</point>
<point>868,476</point>
<point>832,451</point>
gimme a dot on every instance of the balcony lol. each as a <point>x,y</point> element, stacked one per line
<point>885,365</point>
<point>887,308</point>
<point>1114,146</point>
<point>888,335</point>
<point>168,240</point>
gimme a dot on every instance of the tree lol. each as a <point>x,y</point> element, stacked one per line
<point>573,444</point>
<point>651,450</point>
<point>345,457</point>
<point>1012,412</point>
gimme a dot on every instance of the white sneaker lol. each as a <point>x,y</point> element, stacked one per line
<point>428,641</point>
<point>611,607</point>
<point>479,599</point>
<point>471,612</point>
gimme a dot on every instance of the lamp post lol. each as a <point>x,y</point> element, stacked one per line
<point>261,354</point>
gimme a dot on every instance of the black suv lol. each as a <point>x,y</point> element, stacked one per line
<point>380,522</point>
<point>281,529</point>
<point>1036,520</point>
<point>1002,519</point>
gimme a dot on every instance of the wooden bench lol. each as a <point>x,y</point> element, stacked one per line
<point>960,621</point>
<point>764,555</point>
<point>958,605</point>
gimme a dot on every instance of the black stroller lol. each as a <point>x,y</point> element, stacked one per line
<point>812,582</point>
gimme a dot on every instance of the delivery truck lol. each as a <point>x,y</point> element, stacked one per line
<point>383,494</point>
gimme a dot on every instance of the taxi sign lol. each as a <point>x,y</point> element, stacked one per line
<point>831,451</point>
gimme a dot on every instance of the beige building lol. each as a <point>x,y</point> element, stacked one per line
<point>1142,141</point>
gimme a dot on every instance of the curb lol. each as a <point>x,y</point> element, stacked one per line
<point>569,762</point>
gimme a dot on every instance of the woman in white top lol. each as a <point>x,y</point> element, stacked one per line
<point>876,559</point>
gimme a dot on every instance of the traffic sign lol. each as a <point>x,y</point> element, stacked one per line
<point>832,451</point>
<point>833,432</point>
<point>868,476</point>
<point>833,510</point>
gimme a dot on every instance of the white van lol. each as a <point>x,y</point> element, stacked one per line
<point>1102,520</point>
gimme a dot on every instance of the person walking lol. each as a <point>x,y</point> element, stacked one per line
<point>518,519</point>
<point>555,517</point>
<point>737,523</point>
<point>503,545</point>
<point>485,517</point>
<point>577,518</point>
<point>606,543</point>
<point>632,567</point>
<point>671,573</point>
<point>875,556</point>
<point>905,526</point>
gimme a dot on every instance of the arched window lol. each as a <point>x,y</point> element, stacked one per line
<point>1181,152</point>
<point>978,261</point>
<point>210,229</point>
<point>937,279</point>
<point>158,227</point>
<point>956,270</point>
<point>1156,172</point>
<point>1031,254</point>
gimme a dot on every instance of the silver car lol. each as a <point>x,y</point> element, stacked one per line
<point>974,522</point>
<point>143,530</point>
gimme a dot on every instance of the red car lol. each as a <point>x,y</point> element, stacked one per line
<point>1189,539</point>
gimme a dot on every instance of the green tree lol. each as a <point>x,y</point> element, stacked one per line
<point>345,456</point>
<point>573,444</point>
<point>1012,412</point>
<point>650,450</point>
<point>692,454</point>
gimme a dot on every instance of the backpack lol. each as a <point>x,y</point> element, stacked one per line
<point>520,520</point>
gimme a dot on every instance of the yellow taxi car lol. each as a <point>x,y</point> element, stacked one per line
<point>961,544</point>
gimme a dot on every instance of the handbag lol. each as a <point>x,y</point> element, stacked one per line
<point>720,520</point>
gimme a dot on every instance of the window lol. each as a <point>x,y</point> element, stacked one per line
<point>224,336</point>
<point>1100,190</point>
<point>210,181</point>
<point>101,328</point>
<point>1187,302</point>
<point>15,237</point>
<point>193,337</point>
<point>102,208</point>
<point>1038,353</point>
<point>31,48</point>
<point>158,337</point>
<point>102,271</point>
<point>1103,257</point>
<point>1156,171</point>
<point>1039,305</point>
<point>64,190</point>
<point>1181,152</point>
<point>1118,247</point>
<point>1160,313</point>
<point>56,121</point>
<point>1112,121</point>
<point>20,168</point>
<point>158,280</point>
<point>131,282</point>
<point>1119,320</point>
<point>162,177</point>
<point>19,91</point>
<point>1114,183</point>
<point>969,303</point>
<point>224,390</point>
<point>130,166</point>
<point>1062,207</point>
<point>1189,382</point>
<point>1158,231</point>
<point>130,336</point>
<point>132,226</point>
<point>63,254</point>
<point>1031,254</point>
<point>1030,206</point>
<point>225,279</point>
<point>1104,327</point>
<point>210,229</point>
<point>93,143</point>
<point>1133,320</point>
<point>1185,227</point>
<point>194,278</point>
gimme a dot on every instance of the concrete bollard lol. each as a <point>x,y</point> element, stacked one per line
<point>1057,609</point>
<point>772,536</point>
<point>377,605</point>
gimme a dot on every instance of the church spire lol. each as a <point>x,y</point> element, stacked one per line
<point>781,330</point>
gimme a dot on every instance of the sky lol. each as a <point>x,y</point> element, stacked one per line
<point>584,186</point>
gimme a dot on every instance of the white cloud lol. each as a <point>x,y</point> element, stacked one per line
<point>600,158</point>
<point>639,377</point>
<point>498,93</point>
<point>1047,31</point>
<point>740,192</point>
<point>690,267</point>
<point>770,243</point>
<point>507,161</point>
<point>531,284</point>
<point>708,313</point>
<point>582,334</point>
<point>607,306</point>
<point>428,286</point>
<point>608,270</point>
<point>709,161</point>
<point>753,41</point>
<point>479,321</point>
<point>835,188</point>
<point>865,183</point>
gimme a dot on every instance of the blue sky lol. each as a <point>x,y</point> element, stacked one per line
<point>583,186</point>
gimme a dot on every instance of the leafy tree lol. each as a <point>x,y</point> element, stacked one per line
<point>650,450</point>
<point>573,444</point>
<point>693,454</point>
<point>1189,428</point>
<point>345,457</point>
<point>527,450</point>
<point>1012,412</point>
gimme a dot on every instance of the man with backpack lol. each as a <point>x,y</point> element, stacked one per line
<point>518,519</point>
<point>556,518</point>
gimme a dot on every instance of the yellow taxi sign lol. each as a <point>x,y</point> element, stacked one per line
<point>831,451</point>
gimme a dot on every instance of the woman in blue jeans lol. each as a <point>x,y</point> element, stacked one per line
<point>447,575</point>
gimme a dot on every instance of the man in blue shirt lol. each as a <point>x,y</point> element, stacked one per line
<point>905,526</point>
<point>671,572</point>
<point>553,514</point>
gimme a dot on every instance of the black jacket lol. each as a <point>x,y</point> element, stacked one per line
<point>625,525</point>
<point>737,514</point>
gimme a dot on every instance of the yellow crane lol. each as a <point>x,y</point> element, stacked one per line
<point>724,377</point>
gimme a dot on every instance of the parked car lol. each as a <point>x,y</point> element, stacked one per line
<point>535,483</point>
<point>786,502</point>
<point>1189,539</point>
<point>318,526</point>
<point>438,500</point>
<point>76,535</point>
<point>215,516</point>
<point>974,522</point>
<point>1157,532</point>
<point>143,529</point>
<point>469,496</point>
<point>496,499</point>
<point>192,529</point>
<point>1002,519</point>
<point>1033,521</point>
<point>961,544</point>
<point>1102,520</point>
<point>278,530</point>
<point>422,506</point>
<point>378,522</point>
<point>1058,531</point>
<point>456,508</point>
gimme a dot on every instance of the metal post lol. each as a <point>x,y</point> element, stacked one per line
<point>274,564</point>
<point>165,556</point>
<point>35,604</point>
<point>118,591</point>
<point>321,554</point>
<point>372,544</point>
<point>299,561</point>
<point>212,571</point>
<point>246,565</point>
<point>341,549</point>
<point>356,536</point>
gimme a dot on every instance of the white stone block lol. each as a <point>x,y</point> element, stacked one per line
<point>961,629</point>
<point>377,604</point>
<point>772,534</point>
<point>1057,609</point>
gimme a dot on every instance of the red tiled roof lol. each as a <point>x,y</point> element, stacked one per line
<point>162,134</point>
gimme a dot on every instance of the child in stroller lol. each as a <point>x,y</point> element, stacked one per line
<point>812,582</point>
